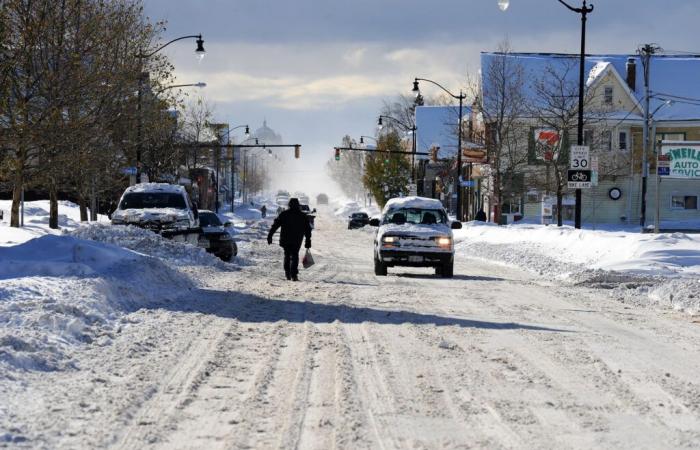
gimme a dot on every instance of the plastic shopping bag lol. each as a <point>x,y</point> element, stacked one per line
<point>308,260</point>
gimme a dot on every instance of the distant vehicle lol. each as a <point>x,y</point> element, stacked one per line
<point>414,232</point>
<point>164,208</point>
<point>321,199</point>
<point>303,198</point>
<point>358,220</point>
<point>311,214</point>
<point>214,236</point>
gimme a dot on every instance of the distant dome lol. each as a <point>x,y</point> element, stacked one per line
<point>267,135</point>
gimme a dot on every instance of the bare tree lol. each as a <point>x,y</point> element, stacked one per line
<point>500,97</point>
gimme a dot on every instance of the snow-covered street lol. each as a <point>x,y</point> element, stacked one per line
<point>241,358</point>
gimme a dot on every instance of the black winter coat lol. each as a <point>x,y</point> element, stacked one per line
<point>295,226</point>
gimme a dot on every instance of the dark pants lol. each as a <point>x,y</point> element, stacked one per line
<point>291,261</point>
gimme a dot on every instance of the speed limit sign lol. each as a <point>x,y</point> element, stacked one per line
<point>579,157</point>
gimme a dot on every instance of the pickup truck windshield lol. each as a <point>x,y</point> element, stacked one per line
<point>143,200</point>
<point>415,216</point>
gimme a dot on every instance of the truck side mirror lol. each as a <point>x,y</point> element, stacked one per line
<point>374,222</point>
<point>456,225</point>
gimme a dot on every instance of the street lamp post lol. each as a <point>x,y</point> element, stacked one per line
<point>461,97</point>
<point>143,77</point>
<point>584,10</point>
<point>405,127</point>
<point>200,84</point>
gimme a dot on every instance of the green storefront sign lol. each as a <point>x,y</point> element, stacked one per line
<point>680,160</point>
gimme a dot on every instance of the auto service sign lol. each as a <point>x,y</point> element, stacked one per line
<point>679,160</point>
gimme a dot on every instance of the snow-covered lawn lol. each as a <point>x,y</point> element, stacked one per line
<point>36,221</point>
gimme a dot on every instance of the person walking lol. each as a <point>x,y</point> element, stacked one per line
<point>294,227</point>
<point>263,211</point>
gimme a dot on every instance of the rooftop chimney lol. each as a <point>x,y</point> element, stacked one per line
<point>631,73</point>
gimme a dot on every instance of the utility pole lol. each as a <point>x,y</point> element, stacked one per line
<point>645,52</point>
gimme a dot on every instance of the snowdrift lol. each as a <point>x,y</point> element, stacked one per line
<point>57,292</point>
<point>639,268</point>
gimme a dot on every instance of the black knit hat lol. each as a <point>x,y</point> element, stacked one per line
<point>294,203</point>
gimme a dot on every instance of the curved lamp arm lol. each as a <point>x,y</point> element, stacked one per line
<point>400,123</point>
<point>415,88</point>
<point>200,45</point>
<point>582,10</point>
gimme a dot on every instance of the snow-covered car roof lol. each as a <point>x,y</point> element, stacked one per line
<point>412,202</point>
<point>156,187</point>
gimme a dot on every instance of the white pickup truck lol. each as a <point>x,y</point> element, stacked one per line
<point>414,232</point>
<point>161,207</point>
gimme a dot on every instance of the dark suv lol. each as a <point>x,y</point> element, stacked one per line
<point>215,238</point>
<point>358,220</point>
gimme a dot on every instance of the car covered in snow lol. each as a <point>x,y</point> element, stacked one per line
<point>310,213</point>
<point>414,232</point>
<point>164,208</point>
<point>215,237</point>
<point>358,220</point>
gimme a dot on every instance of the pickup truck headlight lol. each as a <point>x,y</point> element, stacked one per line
<point>389,239</point>
<point>225,237</point>
<point>444,242</point>
<point>183,223</point>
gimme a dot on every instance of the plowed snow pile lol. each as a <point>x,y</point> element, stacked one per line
<point>59,292</point>
<point>662,269</point>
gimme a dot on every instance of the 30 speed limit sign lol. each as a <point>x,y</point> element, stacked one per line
<point>579,157</point>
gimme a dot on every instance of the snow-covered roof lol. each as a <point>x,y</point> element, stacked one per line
<point>412,202</point>
<point>436,126</point>
<point>156,187</point>
<point>670,75</point>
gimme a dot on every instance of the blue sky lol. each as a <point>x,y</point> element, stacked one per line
<point>319,69</point>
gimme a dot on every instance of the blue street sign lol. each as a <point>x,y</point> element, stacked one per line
<point>129,170</point>
<point>664,171</point>
<point>469,183</point>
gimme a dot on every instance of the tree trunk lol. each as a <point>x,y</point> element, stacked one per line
<point>53,206</point>
<point>82,202</point>
<point>16,198</point>
<point>560,196</point>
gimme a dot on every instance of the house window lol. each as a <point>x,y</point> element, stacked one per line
<point>608,95</point>
<point>684,202</point>
<point>670,137</point>
<point>606,140</point>
<point>588,137</point>
<point>511,206</point>
<point>622,140</point>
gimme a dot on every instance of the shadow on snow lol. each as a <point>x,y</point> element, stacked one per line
<point>254,309</point>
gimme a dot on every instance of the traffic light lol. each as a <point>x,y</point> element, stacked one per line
<point>337,154</point>
<point>297,151</point>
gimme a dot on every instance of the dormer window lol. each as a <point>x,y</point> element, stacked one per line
<point>608,95</point>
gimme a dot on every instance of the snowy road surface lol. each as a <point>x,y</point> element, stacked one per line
<point>344,359</point>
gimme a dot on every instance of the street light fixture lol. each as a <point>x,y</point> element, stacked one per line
<point>461,97</point>
<point>503,4</point>
<point>143,76</point>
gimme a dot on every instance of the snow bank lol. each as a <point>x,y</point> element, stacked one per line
<point>58,292</point>
<point>148,243</point>
<point>661,268</point>
<point>347,208</point>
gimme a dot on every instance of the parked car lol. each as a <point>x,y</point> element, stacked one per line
<point>164,208</point>
<point>414,232</point>
<point>358,220</point>
<point>215,237</point>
